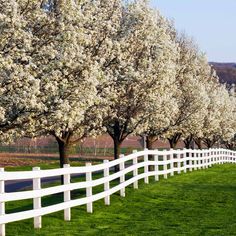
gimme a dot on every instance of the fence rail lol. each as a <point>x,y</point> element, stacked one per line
<point>152,162</point>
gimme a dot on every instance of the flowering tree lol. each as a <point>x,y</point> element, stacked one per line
<point>143,69</point>
<point>219,123</point>
<point>191,77</point>
<point>75,49</point>
<point>163,108</point>
<point>19,88</point>
<point>52,59</point>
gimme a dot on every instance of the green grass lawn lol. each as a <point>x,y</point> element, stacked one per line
<point>202,202</point>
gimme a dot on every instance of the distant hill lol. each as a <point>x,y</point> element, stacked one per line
<point>225,71</point>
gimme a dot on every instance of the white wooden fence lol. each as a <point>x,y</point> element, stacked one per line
<point>166,163</point>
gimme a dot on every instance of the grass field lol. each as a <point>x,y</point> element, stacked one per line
<point>202,202</point>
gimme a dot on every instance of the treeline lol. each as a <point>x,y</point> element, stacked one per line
<point>73,69</point>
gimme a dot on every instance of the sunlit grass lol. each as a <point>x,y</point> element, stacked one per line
<point>198,203</point>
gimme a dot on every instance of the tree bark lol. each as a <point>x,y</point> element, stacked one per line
<point>117,151</point>
<point>171,142</point>
<point>198,141</point>
<point>188,142</point>
<point>63,152</point>
<point>149,144</point>
<point>117,148</point>
<point>63,146</point>
<point>229,145</point>
<point>174,140</point>
<point>209,143</point>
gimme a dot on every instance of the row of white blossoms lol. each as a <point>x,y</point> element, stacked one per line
<point>73,69</point>
<point>133,167</point>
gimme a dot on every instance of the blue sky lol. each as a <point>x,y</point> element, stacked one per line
<point>212,23</point>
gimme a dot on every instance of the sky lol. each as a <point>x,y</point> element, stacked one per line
<point>212,24</point>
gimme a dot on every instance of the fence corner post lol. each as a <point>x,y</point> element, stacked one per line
<point>37,200</point>
<point>67,195</point>
<point>107,183</point>
<point>2,205</point>
<point>89,190</point>
<point>135,171</point>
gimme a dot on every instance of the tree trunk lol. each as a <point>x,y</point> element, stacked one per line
<point>149,144</point>
<point>174,140</point>
<point>117,148</point>
<point>229,145</point>
<point>188,142</point>
<point>172,143</point>
<point>117,151</point>
<point>209,143</point>
<point>198,141</point>
<point>63,152</point>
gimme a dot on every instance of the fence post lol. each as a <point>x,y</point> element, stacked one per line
<point>135,171</point>
<point>146,179</point>
<point>89,190</point>
<point>106,184</point>
<point>213,156</point>
<point>156,168</point>
<point>190,162</point>
<point>178,162</point>
<point>222,156</point>
<point>67,197</point>
<point>2,205</point>
<point>195,155</point>
<point>216,156</point>
<point>172,163</point>
<point>210,157</point>
<point>122,177</point>
<point>201,159</point>
<point>37,200</point>
<point>185,162</point>
<point>206,158</point>
<point>165,165</point>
